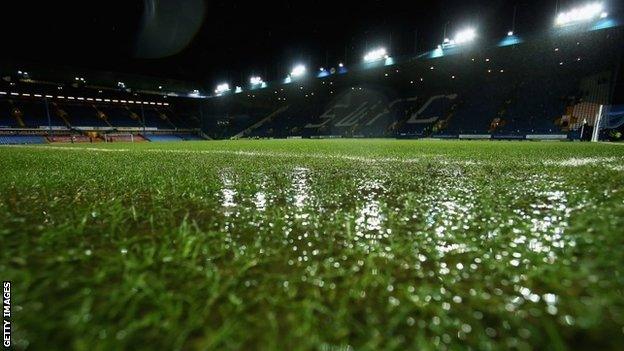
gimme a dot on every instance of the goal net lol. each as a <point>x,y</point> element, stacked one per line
<point>119,137</point>
<point>608,118</point>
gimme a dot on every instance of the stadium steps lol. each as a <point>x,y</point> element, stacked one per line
<point>204,135</point>
<point>166,118</point>
<point>261,122</point>
<point>17,114</point>
<point>121,116</point>
<point>61,114</point>
<point>153,118</point>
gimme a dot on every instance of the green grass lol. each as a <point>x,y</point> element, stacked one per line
<point>330,245</point>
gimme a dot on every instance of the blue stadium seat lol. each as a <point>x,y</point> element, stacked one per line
<point>21,139</point>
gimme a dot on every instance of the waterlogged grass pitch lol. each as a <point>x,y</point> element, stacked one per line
<point>331,245</point>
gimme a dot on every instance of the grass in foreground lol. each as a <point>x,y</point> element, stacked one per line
<point>363,244</point>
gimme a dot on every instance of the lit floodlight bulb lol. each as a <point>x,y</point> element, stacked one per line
<point>341,65</point>
<point>510,33</point>
<point>465,36</point>
<point>221,88</point>
<point>585,13</point>
<point>298,71</point>
<point>256,80</point>
<point>376,55</point>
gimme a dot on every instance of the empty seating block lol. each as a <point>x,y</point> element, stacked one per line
<point>21,139</point>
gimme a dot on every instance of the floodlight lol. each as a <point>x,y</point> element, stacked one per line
<point>465,36</point>
<point>256,80</point>
<point>510,33</point>
<point>222,88</point>
<point>324,73</point>
<point>341,65</point>
<point>376,55</point>
<point>298,71</point>
<point>579,14</point>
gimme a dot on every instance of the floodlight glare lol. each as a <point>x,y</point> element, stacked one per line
<point>510,33</point>
<point>298,71</point>
<point>584,13</point>
<point>465,36</point>
<point>222,88</point>
<point>376,55</point>
<point>256,80</point>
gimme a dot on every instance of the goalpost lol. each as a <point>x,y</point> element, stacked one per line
<point>608,117</point>
<point>597,124</point>
<point>112,137</point>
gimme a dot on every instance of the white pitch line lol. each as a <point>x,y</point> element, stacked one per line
<point>289,155</point>
<point>581,161</point>
<point>232,152</point>
<point>570,162</point>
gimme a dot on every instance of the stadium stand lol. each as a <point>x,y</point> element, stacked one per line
<point>542,87</point>
<point>68,138</point>
<point>122,116</point>
<point>545,87</point>
<point>21,139</point>
<point>163,137</point>
<point>30,118</point>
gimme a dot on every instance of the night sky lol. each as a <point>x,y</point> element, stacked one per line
<point>208,41</point>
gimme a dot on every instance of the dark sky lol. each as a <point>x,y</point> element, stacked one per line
<point>207,41</point>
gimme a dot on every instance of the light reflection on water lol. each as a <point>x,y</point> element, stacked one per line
<point>300,186</point>
<point>260,197</point>
<point>547,221</point>
<point>370,221</point>
<point>455,219</point>
<point>228,193</point>
<point>451,212</point>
